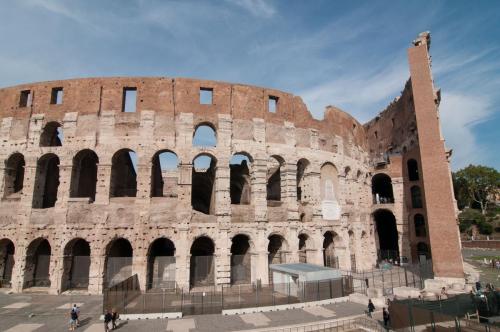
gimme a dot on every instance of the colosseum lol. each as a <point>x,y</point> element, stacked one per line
<point>192,183</point>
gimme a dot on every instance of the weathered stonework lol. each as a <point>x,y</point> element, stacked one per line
<point>300,171</point>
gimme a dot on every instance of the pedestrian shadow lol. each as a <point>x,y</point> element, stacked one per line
<point>85,321</point>
<point>122,323</point>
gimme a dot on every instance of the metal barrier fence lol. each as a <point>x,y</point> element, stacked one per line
<point>338,325</point>
<point>127,298</point>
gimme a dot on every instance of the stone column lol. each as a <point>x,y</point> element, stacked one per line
<point>290,177</point>
<point>261,255</point>
<point>222,258</point>
<point>259,188</point>
<point>293,243</point>
<point>103,183</point>
<point>96,274</point>
<point>29,183</point>
<point>182,257</point>
<point>63,191</point>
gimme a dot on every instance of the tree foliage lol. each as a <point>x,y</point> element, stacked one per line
<point>476,186</point>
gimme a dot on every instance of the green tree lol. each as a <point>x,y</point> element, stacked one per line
<point>476,185</point>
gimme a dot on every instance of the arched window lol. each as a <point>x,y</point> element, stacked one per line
<point>76,265</point>
<point>240,187</point>
<point>123,174</point>
<point>423,250</point>
<point>203,184</point>
<point>14,174</point>
<point>240,260</point>
<point>118,264</point>
<point>382,189</point>
<point>84,174</point>
<point>37,270</point>
<point>416,197</point>
<point>302,183</point>
<point>330,206</point>
<point>7,251</point>
<point>46,182</point>
<point>164,174</point>
<point>201,272</point>
<point>412,170</point>
<point>161,264</point>
<point>419,221</point>
<point>205,136</point>
<point>274,164</point>
<point>52,135</point>
<point>303,239</point>
<point>387,233</point>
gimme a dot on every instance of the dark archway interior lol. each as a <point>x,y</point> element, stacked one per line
<point>38,264</point>
<point>14,174</point>
<point>382,189</point>
<point>84,174</point>
<point>423,250</point>
<point>275,248</point>
<point>120,248</point>
<point>420,229</point>
<point>47,182</point>
<point>329,258</point>
<point>240,260</point>
<point>240,183</point>
<point>203,186</point>
<point>302,248</point>
<point>274,184</point>
<point>76,265</point>
<point>202,262</point>
<point>123,175</point>
<point>7,251</point>
<point>416,197</point>
<point>50,135</point>
<point>301,169</point>
<point>161,264</point>
<point>118,261</point>
<point>412,170</point>
<point>387,234</point>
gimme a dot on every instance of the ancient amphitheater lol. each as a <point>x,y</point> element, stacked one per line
<point>191,182</point>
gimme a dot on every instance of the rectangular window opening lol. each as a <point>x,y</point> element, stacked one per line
<point>129,100</point>
<point>206,96</point>
<point>56,97</point>
<point>273,104</point>
<point>25,98</point>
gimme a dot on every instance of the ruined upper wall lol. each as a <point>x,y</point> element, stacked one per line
<point>169,97</point>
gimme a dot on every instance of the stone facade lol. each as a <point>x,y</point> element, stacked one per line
<point>82,178</point>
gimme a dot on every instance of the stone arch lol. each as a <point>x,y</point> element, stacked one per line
<point>240,259</point>
<point>161,264</point>
<point>387,235</point>
<point>304,244</point>
<point>52,134</point>
<point>203,183</point>
<point>347,172</point>
<point>240,180</point>
<point>84,174</point>
<point>416,197</point>
<point>119,255</point>
<point>76,265</point>
<point>419,224</point>
<point>202,267</point>
<point>412,167</point>
<point>123,174</point>
<point>37,270</point>
<point>164,174</point>
<point>7,251</point>
<point>329,191</point>
<point>277,249</point>
<point>303,180</point>
<point>274,186</point>
<point>14,174</point>
<point>205,135</point>
<point>382,189</point>
<point>331,240</point>
<point>46,182</point>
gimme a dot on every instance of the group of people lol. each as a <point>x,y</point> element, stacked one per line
<point>385,314</point>
<point>110,317</point>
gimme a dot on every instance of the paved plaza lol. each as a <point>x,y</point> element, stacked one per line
<point>38,312</point>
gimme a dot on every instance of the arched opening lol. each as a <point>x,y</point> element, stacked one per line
<point>387,233</point>
<point>420,229</point>
<point>36,273</point>
<point>330,241</point>
<point>7,251</point>
<point>205,136</point>
<point>330,207</point>
<point>84,174</point>
<point>276,249</point>
<point>203,184</point>
<point>382,189</point>
<point>303,185</point>
<point>412,170</point>
<point>240,188</point>
<point>76,265</point>
<point>423,251</point>
<point>14,175</point>
<point>201,271</point>
<point>46,182</point>
<point>274,178</point>
<point>416,197</point>
<point>161,264</point>
<point>52,135</point>
<point>352,250</point>
<point>119,255</point>
<point>240,260</point>
<point>164,174</point>
<point>123,174</point>
<point>303,239</point>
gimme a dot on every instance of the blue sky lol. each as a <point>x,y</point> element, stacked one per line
<point>351,54</point>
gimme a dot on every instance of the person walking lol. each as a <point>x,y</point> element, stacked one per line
<point>72,320</point>
<point>114,317</point>
<point>371,307</point>
<point>107,320</point>
<point>76,310</point>
<point>386,317</point>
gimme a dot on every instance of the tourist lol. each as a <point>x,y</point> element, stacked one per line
<point>114,317</point>
<point>72,320</point>
<point>444,295</point>
<point>386,317</point>
<point>107,320</point>
<point>371,307</point>
<point>76,310</point>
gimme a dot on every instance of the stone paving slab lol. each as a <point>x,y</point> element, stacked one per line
<point>257,319</point>
<point>24,328</point>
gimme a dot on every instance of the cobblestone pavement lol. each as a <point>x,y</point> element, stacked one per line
<point>51,313</point>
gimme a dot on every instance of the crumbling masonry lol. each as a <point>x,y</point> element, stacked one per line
<point>95,190</point>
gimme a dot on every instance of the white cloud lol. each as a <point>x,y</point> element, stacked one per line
<point>258,8</point>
